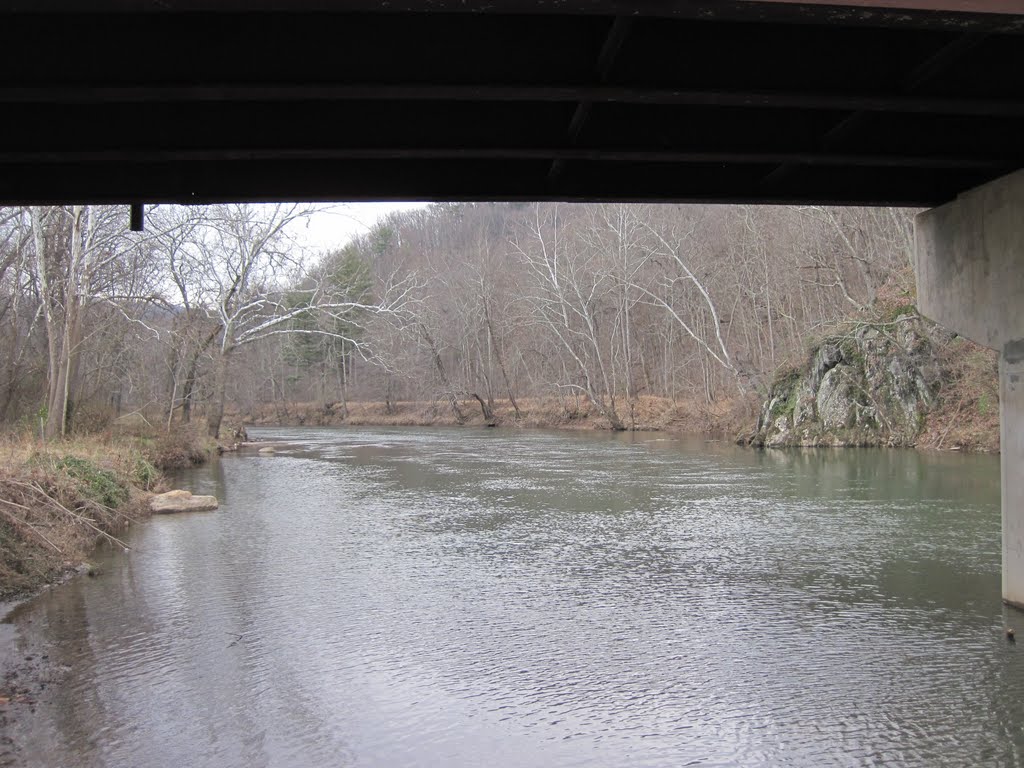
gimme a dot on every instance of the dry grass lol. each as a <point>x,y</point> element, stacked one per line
<point>727,418</point>
<point>965,415</point>
<point>186,446</point>
<point>59,499</point>
<point>56,501</point>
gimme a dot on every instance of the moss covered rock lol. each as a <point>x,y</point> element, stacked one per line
<point>872,386</point>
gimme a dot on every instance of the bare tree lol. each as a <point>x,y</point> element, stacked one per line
<point>678,290</point>
<point>85,258</point>
<point>566,294</point>
<point>245,270</point>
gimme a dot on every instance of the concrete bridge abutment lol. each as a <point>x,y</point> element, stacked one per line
<point>970,279</point>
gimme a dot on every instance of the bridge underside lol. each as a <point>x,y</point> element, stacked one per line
<point>679,100</point>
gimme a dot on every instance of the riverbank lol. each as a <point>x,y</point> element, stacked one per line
<point>724,419</point>
<point>958,410</point>
<point>60,499</point>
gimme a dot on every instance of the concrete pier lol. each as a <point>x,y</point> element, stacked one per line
<point>970,279</point>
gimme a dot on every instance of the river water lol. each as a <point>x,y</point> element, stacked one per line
<point>390,597</point>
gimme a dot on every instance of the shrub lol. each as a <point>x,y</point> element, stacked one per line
<point>145,474</point>
<point>100,485</point>
<point>179,449</point>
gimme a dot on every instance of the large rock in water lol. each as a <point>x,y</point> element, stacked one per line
<point>872,386</point>
<point>181,501</point>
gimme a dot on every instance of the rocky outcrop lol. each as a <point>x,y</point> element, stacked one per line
<point>181,501</point>
<point>870,387</point>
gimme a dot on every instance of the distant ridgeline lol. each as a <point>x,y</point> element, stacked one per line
<point>882,383</point>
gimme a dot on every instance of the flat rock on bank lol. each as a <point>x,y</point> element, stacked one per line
<point>181,501</point>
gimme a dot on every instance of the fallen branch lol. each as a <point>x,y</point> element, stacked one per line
<point>19,522</point>
<point>36,488</point>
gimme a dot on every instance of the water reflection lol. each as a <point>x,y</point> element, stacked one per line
<point>398,597</point>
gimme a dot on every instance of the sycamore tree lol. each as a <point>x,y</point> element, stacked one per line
<point>324,342</point>
<point>670,283</point>
<point>89,271</point>
<point>567,285</point>
<point>245,268</point>
<point>190,332</point>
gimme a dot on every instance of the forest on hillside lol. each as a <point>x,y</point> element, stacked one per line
<point>459,305</point>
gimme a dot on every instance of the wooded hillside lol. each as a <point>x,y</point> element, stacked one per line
<point>464,305</point>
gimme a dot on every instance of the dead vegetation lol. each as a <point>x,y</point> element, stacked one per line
<point>965,415</point>
<point>725,418</point>
<point>59,499</point>
<point>186,445</point>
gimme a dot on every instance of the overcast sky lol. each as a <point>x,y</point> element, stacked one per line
<point>341,221</point>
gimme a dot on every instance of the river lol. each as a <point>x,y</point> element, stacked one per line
<point>395,597</point>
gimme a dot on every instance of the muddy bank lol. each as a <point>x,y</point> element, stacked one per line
<point>28,676</point>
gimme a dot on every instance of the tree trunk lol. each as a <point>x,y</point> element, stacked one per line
<point>613,417</point>
<point>342,386</point>
<point>389,404</point>
<point>220,384</point>
<point>501,360</point>
<point>189,388</point>
<point>64,381</point>
<point>43,261</point>
<point>460,417</point>
<point>56,408</point>
<point>173,367</point>
<point>486,410</point>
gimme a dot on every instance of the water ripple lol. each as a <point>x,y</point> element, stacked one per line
<point>458,598</point>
